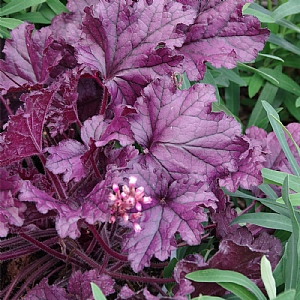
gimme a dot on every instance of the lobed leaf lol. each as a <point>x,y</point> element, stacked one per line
<point>222,36</point>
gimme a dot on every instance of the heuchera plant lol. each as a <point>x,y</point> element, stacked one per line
<point>107,166</point>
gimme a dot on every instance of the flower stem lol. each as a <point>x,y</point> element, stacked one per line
<point>105,247</point>
<point>9,111</point>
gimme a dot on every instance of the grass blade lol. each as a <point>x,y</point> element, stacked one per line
<point>223,276</point>
<point>267,220</point>
<point>273,116</point>
<point>97,293</point>
<point>267,277</point>
<point>291,261</point>
<point>17,5</point>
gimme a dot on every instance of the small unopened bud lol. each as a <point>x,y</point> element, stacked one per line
<point>112,197</point>
<point>112,219</point>
<point>135,216</point>
<point>125,217</point>
<point>126,189</point>
<point>132,181</point>
<point>137,227</point>
<point>116,188</point>
<point>138,206</point>
<point>146,200</point>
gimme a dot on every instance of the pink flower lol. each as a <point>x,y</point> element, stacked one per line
<point>128,198</point>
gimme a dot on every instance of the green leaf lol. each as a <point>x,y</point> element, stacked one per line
<point>274,120</point>
<point>238,290</point>
<point>97,293</point>
<point>232,97</point>
<point>232,75</point>
<point>47,12</point>
<point>277,178</point>
<point>287,295</point>
<point>33,17</point>
<point>255,84</point>
<point>202,297</point>
<point>294,198</point>
<point>57,6</point>
<point>10,23</point>
<point>268,94</point>
<point>223,276</point>
<point>4,33</point>
<point>269,77</point>
<point>291,261</point>
<point>283,81</point>
<point>274,57</point>
<point>290,103</point>
<point>261,16</point>
<point>267,277</point>
<point>267,220</point>
<point>265,188</point>
<point>18,5</point>
<point>289,8</point>
<point>281,42</point>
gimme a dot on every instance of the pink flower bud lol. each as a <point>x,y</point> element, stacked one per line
<point>137,227</point>
<point>138,206</point>
<point>132,181</point>
<point>116,188</point>
<point>146,200</point>
<point>126,189</point>
<point>112,219</point>
<point>125,217</point>
<point>124,195</point>
<point>112,197</point>
<point>135,216</point>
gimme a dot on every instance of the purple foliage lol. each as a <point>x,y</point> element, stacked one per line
<point>103,147</point>
<point>238,251</point>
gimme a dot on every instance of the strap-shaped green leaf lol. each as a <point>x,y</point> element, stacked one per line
<point>291,261</point>
<point>97,293</point>
<point>18,5</point>
<point>223,276</point>
<point>274,118</point>
<point>267,277</point>
<point>267,220</point>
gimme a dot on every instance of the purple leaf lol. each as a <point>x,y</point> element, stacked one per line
<point>222,36</point>
<point>79,285</point>
<point>175,207</point>
<point>67,26</point>
<point>65,158</point>
<point>43,291</point>
<point>95,207</point>
<point>239,251</point>
<point>63,110</point>
<point>120,40</point>
<point>223,219</point>
<point>178,129</point>
<point>23,137</point>
<point>67,217</point>
<point>103,131</point>
<point>11,210</point>
<point>276,158</point>
<point>28,58</point>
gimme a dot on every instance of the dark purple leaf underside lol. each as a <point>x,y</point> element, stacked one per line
<point>23,137</point>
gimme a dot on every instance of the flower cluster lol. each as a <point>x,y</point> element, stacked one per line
<point>129,198</point>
